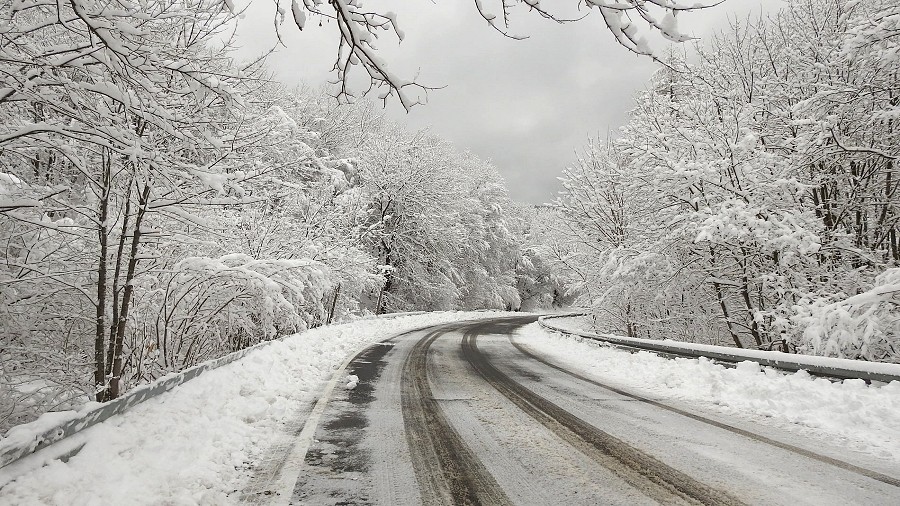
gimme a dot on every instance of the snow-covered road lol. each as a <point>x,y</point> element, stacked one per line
<point>469,413</point>
<point>208,441</point>
<point>481,408</point>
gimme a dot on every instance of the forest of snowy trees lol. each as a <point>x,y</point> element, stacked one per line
<point>752,198</point>
<point>162,204</point>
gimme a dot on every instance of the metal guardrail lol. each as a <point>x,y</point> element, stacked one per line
<point>81,420</point>
<point>821,366</point>
<point>833,367</point>
<point>15,450</point>
<point>388,316</point>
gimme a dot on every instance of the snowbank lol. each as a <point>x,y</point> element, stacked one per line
<point>824,366</point>
<point>195,444</point>
<point>863,417</point>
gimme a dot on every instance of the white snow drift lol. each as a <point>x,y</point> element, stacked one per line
<point>196,443</point>
<point>849,413</point>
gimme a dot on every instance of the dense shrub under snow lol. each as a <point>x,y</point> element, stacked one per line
<point>865,326</point>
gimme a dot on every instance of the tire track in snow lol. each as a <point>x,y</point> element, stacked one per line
<point>446,469</point>
<point>275,479</point>
<point>640,470</point>
<point>741,432</point>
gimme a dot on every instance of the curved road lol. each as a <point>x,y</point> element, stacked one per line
<point>463,414</point>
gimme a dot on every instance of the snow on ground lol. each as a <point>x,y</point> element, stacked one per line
<point>574,322</point>
<point>195,444</point>
<point>849,413</point>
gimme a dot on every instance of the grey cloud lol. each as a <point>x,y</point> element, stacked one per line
<point>527,105</point>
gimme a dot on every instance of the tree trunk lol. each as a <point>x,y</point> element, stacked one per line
<point>110,350</point>
<point>721,298</point>
<point>100,331</point>
<point>745,294</point>
<point>337,293</point>
<point>378,302</point>
<point>734,336</point>
<point>126,295</point>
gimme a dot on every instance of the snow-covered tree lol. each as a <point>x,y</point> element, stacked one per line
<point>549,272</point>
<point>749,187</point>
<point>162,204</point>
<point>492,243</point>
<point>119,108</point>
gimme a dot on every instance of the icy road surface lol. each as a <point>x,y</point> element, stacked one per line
<point>467,413</point>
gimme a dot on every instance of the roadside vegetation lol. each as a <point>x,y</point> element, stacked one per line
<point>162,204</point>
<point>752,198</point>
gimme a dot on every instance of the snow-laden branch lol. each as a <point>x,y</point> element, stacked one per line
<point>359,32</point>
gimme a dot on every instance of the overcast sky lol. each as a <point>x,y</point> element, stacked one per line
<point>527,105</point>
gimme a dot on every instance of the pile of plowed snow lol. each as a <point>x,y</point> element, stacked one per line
<point>197,443</point>
<point>847,413</point>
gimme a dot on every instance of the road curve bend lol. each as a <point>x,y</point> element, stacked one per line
<point>461,413</point>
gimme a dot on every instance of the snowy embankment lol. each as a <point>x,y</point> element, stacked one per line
<point>832,367</point>
<point>197,443</point>
<point>848,413</point>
